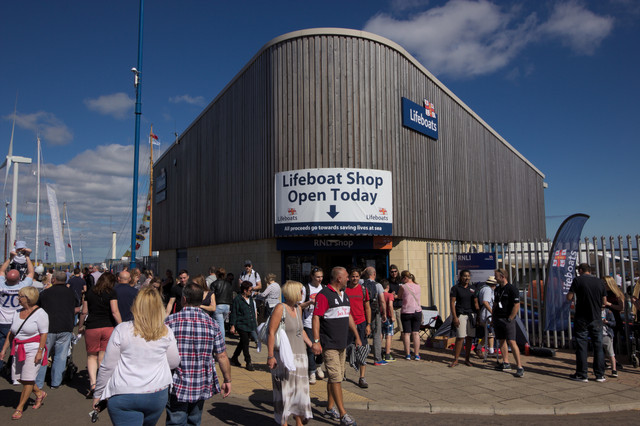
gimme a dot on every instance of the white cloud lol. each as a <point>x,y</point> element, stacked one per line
<point>117,105</point>
<point>467,38</point>
<point>47,125</point>
<point>577,27</point>
<point>188,99</point>
<point>97,186</point>
<point>461,38</point>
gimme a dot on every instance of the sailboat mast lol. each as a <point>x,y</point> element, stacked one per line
<point>38,205</point>
<point>66,219</point>
<point>151,192</point>
<point>6,226</point>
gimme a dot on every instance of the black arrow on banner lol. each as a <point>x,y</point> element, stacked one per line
<point>332,211</point>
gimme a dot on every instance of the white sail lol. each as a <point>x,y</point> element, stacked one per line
<point>56,226</point>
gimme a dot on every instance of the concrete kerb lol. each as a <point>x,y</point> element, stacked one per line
<point>489,410</point>
<point>570,398</point>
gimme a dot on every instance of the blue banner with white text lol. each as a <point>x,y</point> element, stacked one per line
<point>563,262</point>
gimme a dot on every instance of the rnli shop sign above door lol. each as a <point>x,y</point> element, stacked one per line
<point>333,202</point>
<point>421,118</point>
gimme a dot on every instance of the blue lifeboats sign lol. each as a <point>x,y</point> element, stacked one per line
<point>421,118</point>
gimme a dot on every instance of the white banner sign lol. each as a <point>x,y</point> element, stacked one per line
<point>333,202</point>
<point>56,226</point>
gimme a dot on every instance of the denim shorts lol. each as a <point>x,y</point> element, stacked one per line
<point>387,328</point>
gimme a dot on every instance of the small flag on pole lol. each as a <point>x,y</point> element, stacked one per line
<point>154,139</point>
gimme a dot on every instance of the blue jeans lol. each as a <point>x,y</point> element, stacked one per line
<point>132,409</point>
<point>58,345</point>
<point>222,311</point>
<point>311,365</point>
<point>4,331</point>
<point>584,330</point>
<point>184,413</point>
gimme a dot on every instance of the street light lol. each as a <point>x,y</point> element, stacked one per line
<point>138,111</point>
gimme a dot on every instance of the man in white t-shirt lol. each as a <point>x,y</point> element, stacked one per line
<point>97,272</point>
<point>307,306</point>
<point>250,275</point>
<point>485,300</point>
<point>10,285</point>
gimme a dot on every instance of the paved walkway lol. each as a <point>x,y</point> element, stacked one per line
<point>426,386</point>
<point>429,386</point>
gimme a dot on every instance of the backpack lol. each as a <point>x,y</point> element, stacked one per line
<point>307,291</point>
<point>374,303</point>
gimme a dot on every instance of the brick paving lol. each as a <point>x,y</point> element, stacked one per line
<point>430,386</point>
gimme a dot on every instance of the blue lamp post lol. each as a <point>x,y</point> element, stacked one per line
<point>138,113</point>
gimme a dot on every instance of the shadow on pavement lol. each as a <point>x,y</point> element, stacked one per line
<point>10,397</point>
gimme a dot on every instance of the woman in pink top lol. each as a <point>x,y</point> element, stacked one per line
<point>411,313</point>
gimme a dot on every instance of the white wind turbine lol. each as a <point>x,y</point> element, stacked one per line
<point>13,159</point>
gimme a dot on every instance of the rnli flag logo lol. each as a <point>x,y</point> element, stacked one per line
<point>559,258</point>
<point>429,109</point>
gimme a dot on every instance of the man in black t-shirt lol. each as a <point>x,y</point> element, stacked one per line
<point>464,305</point>
<point>506,305</point>
<point>77,284</point>
<point>61,304</point>
<point>590,296</point>
<point>175,301</point>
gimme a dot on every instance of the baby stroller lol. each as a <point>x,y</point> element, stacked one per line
<point>70,368</point>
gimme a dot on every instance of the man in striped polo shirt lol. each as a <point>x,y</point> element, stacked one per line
<point>331,323</point>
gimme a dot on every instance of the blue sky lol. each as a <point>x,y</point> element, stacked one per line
<point>557,79</point>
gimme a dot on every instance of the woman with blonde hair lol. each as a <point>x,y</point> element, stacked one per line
<point>290,388</point>
<point>615,298</point>
<point>28,337</point>
<point>136,372</point>
<point>46,281</point>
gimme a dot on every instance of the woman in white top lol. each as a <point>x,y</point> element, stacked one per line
<point>28,339</point>
<point>272,295</point>
<point>136,371</point>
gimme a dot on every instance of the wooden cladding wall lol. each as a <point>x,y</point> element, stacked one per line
<point>335,101</point>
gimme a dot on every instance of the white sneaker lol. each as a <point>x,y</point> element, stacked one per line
<point>319,373</point>
<point>312,378</point>
<point>15,383</point>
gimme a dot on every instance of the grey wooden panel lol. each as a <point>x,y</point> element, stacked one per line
<point>334,101</point>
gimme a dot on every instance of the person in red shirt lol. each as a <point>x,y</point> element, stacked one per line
<point>361,313</point>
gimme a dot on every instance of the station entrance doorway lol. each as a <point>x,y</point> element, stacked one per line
<point>299,255</point>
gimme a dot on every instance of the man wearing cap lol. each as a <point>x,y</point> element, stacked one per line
<point>250,275</point>
<point>485,300</point>
<point>10,284</point>
<point>19,261</point>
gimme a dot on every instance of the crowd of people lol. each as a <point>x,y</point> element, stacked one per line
<point>152,343</point>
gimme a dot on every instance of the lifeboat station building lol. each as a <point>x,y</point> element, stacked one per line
<point>336,147</point>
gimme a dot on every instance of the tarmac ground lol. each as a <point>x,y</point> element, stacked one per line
<point>401,392</point>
